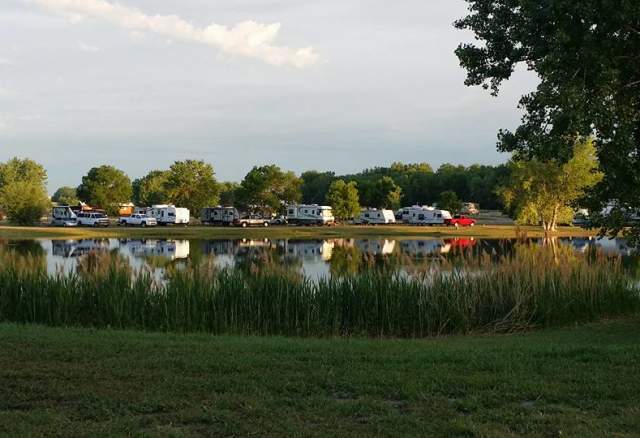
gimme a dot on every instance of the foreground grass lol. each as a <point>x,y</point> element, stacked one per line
<point>289,232</point>
<point>580,381</point>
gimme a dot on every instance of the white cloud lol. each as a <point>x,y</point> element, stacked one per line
<point>87,47</point>
<point>247,38</point>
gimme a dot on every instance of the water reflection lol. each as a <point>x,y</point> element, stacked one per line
<point>317,258</point>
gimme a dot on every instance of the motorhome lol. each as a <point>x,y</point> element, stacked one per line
<point>424,215</point>
<point>374,216</point>
<point>169,214</point>
<point>310,215</point>
<point>63,216</point>
<point>219,215</point>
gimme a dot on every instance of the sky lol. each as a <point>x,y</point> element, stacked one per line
<point>337,85</point>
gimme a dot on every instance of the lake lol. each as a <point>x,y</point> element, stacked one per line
<point>312,258</point>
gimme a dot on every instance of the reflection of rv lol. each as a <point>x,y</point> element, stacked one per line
<point>424,247</point>
<point>169,214</point>
<point>423,215</point>
<point>219,247</point>
<point>77,248</point>
<point>309,249</point>
<point>376,217</point>
<point>376,247</point>
<point>63,216</point>
<point>169,249</point>
<point>310,215</point>
<point>219,215</point>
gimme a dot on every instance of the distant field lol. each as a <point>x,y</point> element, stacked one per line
<point>285,232</point>
<point>580,381</point>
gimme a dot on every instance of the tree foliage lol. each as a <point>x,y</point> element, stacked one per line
<point>344,199</point>
<point>23,194</point>
<point>191,184</point>
<point>105,187</point>
<point>587,56</point>
<point>546,192</point>
<point>449,201</point>
<point>65,196</point>
<point>315,186</point>
<point>229,192</point>
<point>150,189</point>
<point>268,188</point>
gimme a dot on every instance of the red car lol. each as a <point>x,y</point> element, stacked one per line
<point>460,220</point>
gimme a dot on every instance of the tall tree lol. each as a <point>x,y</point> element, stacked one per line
<point>192,184</point>
<point>268,188</point>
<point>23,194</point>
<point>546,192</point>
<point>344,199</point>
<point>229,193</point>
<point>587,56</point>
<point>448,200</point>
<point>315,186</point>
<point>65,196</point>
<point>105,187</point>
<point>385,193</point>
<point>150,189</point>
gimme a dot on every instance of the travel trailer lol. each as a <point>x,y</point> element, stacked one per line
<point>374,216</point>
<point>310,215</point>
<point>219,215</point>
<point>63,216</point>
<point>423,215</point>
<point>169,215</point>
<point>166,249</point>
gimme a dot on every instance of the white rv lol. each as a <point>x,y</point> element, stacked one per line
<point>63,216</point>
<point>424,215</point>
<point>310,215</point>
<point>219,215</point>
<point>169,214</point>
<point>374,216</point>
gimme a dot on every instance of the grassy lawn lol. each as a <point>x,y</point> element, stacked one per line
<point>581,381</point>
<point>200,232</point>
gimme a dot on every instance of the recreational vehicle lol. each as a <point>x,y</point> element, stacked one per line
<point>219,215</point>
<point>374,216</point>
<point>169,215</point>
<point>423,215</point>
<point>310,215</point>
<point>63,216</point>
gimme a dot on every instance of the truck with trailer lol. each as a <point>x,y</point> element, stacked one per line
<point>299,214</point>
<point>138,220</point>
<point>424,215</point>
<point>219,215</point>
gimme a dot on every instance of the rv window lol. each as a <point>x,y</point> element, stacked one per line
<point>291,211</point>
<point>438,215</point>
<point>172,214</point>
<point>366,215</point>
<point>421,217</point>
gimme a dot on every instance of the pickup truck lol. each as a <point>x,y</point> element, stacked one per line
<point>251,221</point>
<point>140,220</point>
<point>460,220</point>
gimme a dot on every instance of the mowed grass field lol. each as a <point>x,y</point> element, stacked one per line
<point>576,381</point>
<point>286,232</point>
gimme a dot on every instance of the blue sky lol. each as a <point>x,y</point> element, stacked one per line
<point>332,85</point>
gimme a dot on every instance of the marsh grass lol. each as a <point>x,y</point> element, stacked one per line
<point>533,287</point>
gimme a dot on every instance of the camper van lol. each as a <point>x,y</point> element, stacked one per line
<point>169,215</point>
<point>310,215</point>
<point>63,216</point>
<point>423,215</point>
<point>219,215</point>
<point>373,216</point>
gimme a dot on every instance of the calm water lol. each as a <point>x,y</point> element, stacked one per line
<point>314,258</point>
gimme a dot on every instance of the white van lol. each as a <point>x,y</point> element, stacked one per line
<point>374,216</point>
<point>92,219</point>
<point>170,215</point>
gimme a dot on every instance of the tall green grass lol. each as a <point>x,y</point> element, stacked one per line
<point>536,287</point>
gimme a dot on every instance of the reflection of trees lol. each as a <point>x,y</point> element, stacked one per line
<point>101,264</point>
<point>345,260</point>
<point>266,258</point>
<point>23,256</point>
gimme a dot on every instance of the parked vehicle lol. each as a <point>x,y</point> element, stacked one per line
<point>280,220</point>
<point>63,216</point>
<point>139,220</point>
<point>470,208</point>
<point>219,215</point>
<point>423,215</point>
<point>310,215</point>
<point>93,219</point>
<point>460,220</point>
<point>374,216</point>
<point>170,215</point>
<point>251,220</point>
